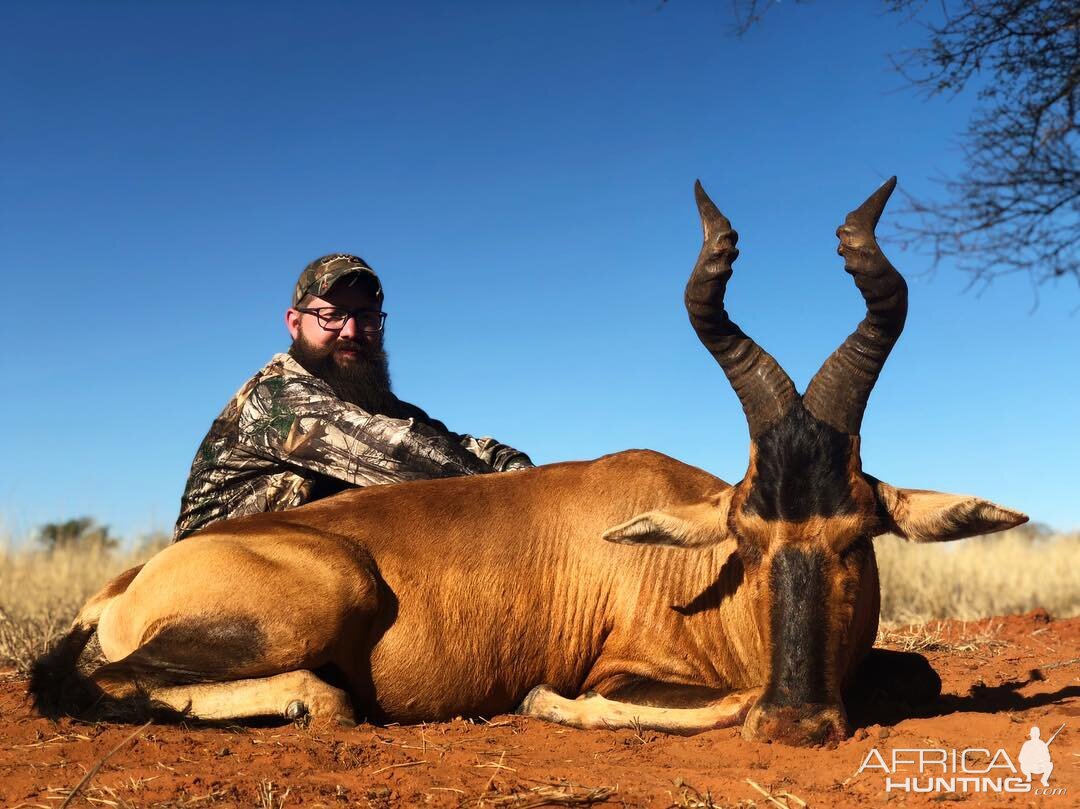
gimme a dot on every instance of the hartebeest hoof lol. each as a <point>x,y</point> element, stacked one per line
<point>798,725</point>
<point>299,711</point>
<point>296,711</point>
<point>536,701</point>
<point>313,698</point>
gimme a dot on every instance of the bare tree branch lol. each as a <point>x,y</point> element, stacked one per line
<point>1015,206</point>
<point>748,13</point>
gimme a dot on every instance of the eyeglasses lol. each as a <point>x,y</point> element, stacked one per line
<point>333,319</point>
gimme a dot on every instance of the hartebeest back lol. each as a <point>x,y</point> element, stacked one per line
<point>710,604</point>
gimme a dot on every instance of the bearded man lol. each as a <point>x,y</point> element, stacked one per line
<point>323,417</point>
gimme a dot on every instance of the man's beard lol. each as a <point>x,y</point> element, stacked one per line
<point>363,380</point>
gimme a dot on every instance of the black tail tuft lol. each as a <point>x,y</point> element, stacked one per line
<point>185,653</point>
<point>56,686</point>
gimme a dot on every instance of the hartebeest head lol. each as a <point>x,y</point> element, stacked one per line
<point>803,516</point>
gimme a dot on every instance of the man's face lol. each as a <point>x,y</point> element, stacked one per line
<point>346,345</point>
<point>350,360</point>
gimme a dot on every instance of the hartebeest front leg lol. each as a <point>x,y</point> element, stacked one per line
<point>291,695</point>
<point>596,712</point>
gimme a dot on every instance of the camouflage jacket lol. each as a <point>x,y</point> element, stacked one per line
<point>285,439</point>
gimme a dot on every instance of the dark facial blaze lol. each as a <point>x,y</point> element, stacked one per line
<point>801,521</point>
<point>798,620</point>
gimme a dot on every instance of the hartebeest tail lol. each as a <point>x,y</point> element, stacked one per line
<point>57,687</point>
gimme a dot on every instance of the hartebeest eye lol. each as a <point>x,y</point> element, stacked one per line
<point>857,549</point>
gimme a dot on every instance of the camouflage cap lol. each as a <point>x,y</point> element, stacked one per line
<point>324,272</point>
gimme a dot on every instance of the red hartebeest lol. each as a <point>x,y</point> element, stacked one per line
<point>749,603</point>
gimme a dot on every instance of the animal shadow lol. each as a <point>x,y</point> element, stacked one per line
<point>892,686</point>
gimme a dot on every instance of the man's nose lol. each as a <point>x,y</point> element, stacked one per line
<point>349,330</point>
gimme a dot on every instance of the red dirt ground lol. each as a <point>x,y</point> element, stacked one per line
<point>1000,677</point>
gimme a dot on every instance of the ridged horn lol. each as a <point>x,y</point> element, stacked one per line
<point>763,387</point>
<point>839,391</point>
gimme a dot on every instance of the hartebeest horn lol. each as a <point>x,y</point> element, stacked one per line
<point>838,392</point>
<point>763,387</point>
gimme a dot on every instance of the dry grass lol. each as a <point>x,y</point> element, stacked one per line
<point>40,593</point>
<point>999,575</point>
<point>548,795</point>
<point>976,578</point>
<point>940,636</point>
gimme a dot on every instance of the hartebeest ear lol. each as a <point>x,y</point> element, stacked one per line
<point>687,526</point>
<point>923,516</point>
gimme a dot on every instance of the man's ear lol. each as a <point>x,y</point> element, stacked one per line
<point>687,526</point>
<point>924,516</point>
<point>292,321</point>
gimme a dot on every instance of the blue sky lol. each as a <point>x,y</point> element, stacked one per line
<point>520,174</point>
